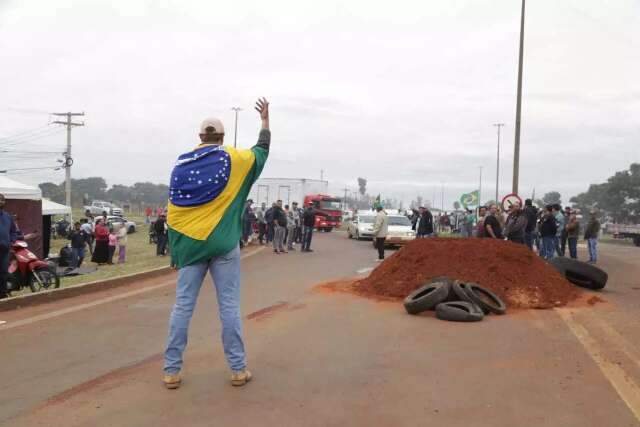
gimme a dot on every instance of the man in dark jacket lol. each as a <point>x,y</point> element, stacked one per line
<point>514,229</point>
<point>308,222</point>
<point>492,226</point>
<point>79,239</point>
<point>425,223</point>
<point>279,227</point>
<point>548,231</point>
<point>160,228</point>
<point>8,235</point>
<point>591,236</point>
<point>268,217</point>
<point>531,213</point>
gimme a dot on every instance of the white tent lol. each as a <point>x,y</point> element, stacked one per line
<point>17,190</point>
<point>53,208</point>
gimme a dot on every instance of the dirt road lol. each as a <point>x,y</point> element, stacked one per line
<point>324,359</point>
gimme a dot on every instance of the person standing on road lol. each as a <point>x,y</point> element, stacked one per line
<point>516,225</point>
<point>548,232</point>
<point>591,236</point>
<point>560,220</point>
<point>279,228</point>
<point>482,214</point>
<point>563,235</point>
<point>492,225</point>
<point>291,228</point>
<point>531,213</point>
<point>308,222</point>
<point>87,227</point>
<point>8,235</point>
<point>160,228</point>
<point>268,216</point>
<point>380,230</point>
<point>424,226</point>
<point>573,232</point>
<point>248,219</point>
<point>297,217</point>
<point>262,223</point>
<point>208,189</point>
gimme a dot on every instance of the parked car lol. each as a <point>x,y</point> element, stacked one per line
<point>118,221</point>
<point>400,232</point>
<point>97,207</point>
<point>361,226</point>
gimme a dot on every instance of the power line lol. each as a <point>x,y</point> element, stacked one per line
<point>29,138</point>
<point>31,169</point>
<point>25,132</point>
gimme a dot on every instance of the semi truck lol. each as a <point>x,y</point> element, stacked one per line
<point>328,210</point>
<point>305,192</point>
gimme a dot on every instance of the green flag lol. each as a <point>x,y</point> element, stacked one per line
<point>470,199</point>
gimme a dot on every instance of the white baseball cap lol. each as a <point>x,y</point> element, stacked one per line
<point>211,125</point>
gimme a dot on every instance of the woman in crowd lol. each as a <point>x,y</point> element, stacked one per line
<point>101,251</point>
<point>122,244</point>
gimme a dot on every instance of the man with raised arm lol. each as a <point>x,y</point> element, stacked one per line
<point>207,194</point>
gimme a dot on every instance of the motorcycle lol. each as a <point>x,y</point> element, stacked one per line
<point>27,270</point>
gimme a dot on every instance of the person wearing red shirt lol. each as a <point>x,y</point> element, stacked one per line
<point>101,251</point>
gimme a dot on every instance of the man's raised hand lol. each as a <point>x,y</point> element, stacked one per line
<point>262,107</point>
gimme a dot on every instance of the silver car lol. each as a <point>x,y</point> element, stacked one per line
<point>361,226</point>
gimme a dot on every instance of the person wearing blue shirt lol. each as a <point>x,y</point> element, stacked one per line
<point>8,235</point>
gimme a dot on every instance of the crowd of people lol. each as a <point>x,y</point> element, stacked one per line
<point>550,231</point>
<point>100,238</point>
<point>283,227</point>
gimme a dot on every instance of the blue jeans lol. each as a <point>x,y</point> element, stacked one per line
<point>225,271</point>
<point>529,238</point>
<point>593,249</point>
<point>307,235</point>
<point>573,247</point>
<point>548,247</point>
<point>78,256</point>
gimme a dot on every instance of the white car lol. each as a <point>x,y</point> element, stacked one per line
<point>361,226</point>
<point>118,221</point>
<point>399,232</point>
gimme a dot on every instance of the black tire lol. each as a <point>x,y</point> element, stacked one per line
<point>131,229</point>
<point>636,240</point>
<point>580,273</point>
<point>459,291</point>
<point>426,297</point>
<point>485,299</point>
<point>459,311</point>
<point>50,280</point>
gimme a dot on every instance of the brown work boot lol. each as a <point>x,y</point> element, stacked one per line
<point>239,379</point>
<point>172,381</point>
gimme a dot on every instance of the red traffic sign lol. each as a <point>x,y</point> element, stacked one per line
<point>509,200</point>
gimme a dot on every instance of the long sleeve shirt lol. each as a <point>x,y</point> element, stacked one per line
<point>8,230</point>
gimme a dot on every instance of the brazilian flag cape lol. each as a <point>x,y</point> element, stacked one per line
<point>207,194</point>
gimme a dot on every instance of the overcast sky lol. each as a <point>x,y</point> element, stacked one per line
<point>402,93</point>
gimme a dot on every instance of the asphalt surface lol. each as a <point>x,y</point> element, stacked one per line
<point>324,359</point>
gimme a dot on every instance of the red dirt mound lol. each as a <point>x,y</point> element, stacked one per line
<point>512,271</point>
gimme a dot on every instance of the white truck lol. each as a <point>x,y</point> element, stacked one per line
<point>289,190</point>
<point>97,207</point>
<point>621,231</point>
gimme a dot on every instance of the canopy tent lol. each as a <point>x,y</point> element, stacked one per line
<point>25,201</point>
<point>18,191</point>
<point>53,208</point>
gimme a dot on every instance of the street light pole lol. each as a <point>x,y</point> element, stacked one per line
<point>516,150</point>
<point>480,187</point>
<point>498,125</point>
<point>235,133</point>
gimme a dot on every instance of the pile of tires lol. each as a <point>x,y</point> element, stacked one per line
<point>454,300</point>
<point>580,273</point>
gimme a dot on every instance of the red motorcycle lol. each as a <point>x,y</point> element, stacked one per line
<point>25,269</point>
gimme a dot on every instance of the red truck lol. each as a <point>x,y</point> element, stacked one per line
<point>329,210</point>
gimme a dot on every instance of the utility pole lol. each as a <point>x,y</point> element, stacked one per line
<point>345,198</point>
<point>68,160</point>
<point>442,196</point>
<point>480,187</point>
<point>516,149</point>
<point>235,133</point>
<point>498,125</point>
<point>321,174</point>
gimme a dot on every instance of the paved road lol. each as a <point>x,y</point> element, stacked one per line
<point>324,359</point>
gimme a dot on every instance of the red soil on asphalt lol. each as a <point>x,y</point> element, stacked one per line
<point>516,274</point>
